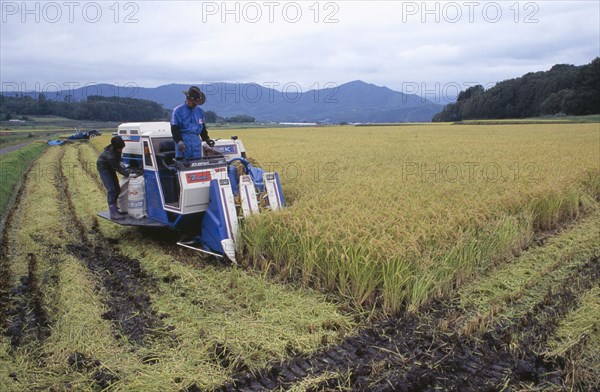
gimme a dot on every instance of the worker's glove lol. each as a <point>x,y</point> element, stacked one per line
<point>135,173</point>
<point>210,142</point>
<point>181,146</point>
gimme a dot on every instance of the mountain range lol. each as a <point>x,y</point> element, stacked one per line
<point>355,101</point>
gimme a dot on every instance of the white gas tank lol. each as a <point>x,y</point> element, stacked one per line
<point>136,205</point>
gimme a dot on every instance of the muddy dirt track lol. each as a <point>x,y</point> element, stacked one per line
<point>28,316</point>
<point>24,317</point>
<point>126,285</point>
<point>5,276</point>
<point>414,354</point>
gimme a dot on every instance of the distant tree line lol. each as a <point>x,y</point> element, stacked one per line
<point>563,90</point>
<point>95,107</point>
<point>98,108</point>
<point>212,117</point>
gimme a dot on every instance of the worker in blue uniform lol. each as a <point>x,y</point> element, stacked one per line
<point>188,126</point>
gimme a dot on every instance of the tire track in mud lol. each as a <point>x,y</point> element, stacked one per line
<point>543,319</point>
<point>28,317</point>
<point>5,267</point>
<point>23,312</point>
<point>412,353</point>
<point>129,305</point>
<point>523,341</point>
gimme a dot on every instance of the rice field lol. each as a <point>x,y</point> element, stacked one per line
<point>393,216</point>
<point>433,256</point>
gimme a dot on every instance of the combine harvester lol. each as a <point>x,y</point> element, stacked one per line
<point>199,198</point>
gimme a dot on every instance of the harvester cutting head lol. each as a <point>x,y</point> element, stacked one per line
<point>204,199</point>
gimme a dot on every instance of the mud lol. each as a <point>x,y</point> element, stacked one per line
<point>5,278</point>
<point>102,377</point>
<point>167,241</point>
<point>28,319</point>
<point>75,226</point>
<point>542,320</point>
<point>5,269</point>
<point>125,283</point>
<point>413,354</point>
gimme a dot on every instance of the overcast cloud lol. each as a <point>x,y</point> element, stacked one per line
<point>418,47</point>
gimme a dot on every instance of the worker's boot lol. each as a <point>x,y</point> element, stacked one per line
<point>114,212</point>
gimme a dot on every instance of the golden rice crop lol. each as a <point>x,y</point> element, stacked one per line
<point>392,216</point>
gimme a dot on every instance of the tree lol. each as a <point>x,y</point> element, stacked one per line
<point>555,103</point>
<point>94,108</point>
<point>210,116</point>
<point>471,92</point>
<point>241,118</point>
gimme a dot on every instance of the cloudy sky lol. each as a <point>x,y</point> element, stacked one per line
<point>427,48</point>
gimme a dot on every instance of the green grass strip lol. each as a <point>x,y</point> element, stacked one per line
<point>13,166</point>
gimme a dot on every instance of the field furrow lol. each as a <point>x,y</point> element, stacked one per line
<point>29,267</point>
<point>47,301</point>
<point>122,279</point>
<point>543,318</point>
<point>5,240</point>
<point>510,291</point>
<point>28,318</point>
<point>577,342</point>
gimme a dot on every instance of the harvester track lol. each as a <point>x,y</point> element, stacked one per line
<point>23,311</point>
<point>414,354</point>
<point>5,270</point>
<point>125,283</point>
<point>28,317</point>
<point>541,322</point>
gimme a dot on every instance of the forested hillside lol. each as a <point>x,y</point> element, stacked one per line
<point>564,89</point>
<point>93,108</point>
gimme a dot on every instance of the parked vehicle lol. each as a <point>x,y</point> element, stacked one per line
<point>80,135</point>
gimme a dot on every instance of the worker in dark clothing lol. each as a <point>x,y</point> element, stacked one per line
<point>188,125</point>
<point>108,164</point>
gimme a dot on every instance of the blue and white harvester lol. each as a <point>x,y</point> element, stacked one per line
<point>200,198</point>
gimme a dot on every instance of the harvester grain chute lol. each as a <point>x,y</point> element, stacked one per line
<point>199,198</point>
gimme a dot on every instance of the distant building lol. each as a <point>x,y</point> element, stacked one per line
<point>299,124</point>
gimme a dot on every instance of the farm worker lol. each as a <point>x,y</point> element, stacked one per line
<point>188,125</point>
<point>108,164</point>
